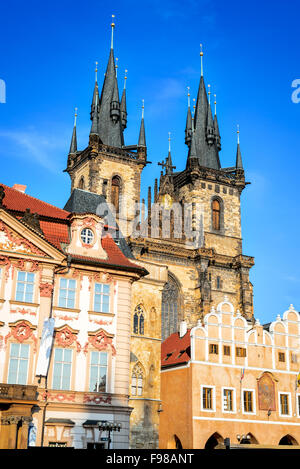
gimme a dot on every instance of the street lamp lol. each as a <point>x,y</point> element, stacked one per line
<point>106,426</point>
<point>243,439</point>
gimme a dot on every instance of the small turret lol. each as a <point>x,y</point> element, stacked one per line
<point>142,135</point>
<point>210,124</point>
<point>189,122</point>
<point>73,146</point>
<point>123,105</point>
<point>238,162</point>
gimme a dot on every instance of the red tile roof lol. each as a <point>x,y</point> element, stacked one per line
<point>176,350</point>
<point>18,201</point>
<point>56,227</point>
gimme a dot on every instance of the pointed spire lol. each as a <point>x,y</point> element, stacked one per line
<point>123,104</point>
<point>210,124</point>
<point>142,135</point>
<point>239,163</point>
<point>95,117</point>
<point>169,165</point>
<point>216,127</point>
<point>192,159</point>
<point>95,94</point>
<point>73,146</point>
<point>109,122</point>
<point>189,122</point>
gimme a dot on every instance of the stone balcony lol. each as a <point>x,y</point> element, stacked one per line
<point>12,392</point>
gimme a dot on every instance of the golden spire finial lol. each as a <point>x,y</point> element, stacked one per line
<point>201,57</point>
<point>215,103</point>
<point>125,78</point>
<point>238,134</point>
<point>75,116</point>
<point>208,94</point>
<point>189,99</point>
<point>112,32</point>
<point>116,67</point>
<point>169,141</point>
<point>96,70</point>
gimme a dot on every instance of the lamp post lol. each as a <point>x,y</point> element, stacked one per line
<point>106,426</point>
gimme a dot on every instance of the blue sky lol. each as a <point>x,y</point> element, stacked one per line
<point>251,57</point>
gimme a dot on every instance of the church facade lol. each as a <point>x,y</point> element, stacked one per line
<point>187,234</point>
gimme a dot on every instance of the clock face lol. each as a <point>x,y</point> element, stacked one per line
<point>167,201</point>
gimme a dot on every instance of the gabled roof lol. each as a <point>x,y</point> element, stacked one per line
<point>176,350</point>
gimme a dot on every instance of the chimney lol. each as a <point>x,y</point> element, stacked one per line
<point>182,328</point>
<point>19,187</point>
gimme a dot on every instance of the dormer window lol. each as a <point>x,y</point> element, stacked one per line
<point>87,236</point>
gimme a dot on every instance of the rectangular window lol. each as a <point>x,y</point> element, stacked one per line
<point>137,385</point>
<point>248,401</point>
<point>101,298</point>
<point>67,292</point>
<point>228,400</point>
<point>284,404</point>
<point>281,356</point>
<point>213,348</point>
<point>219,283</point>
<point>227,350</point>
<point>98,372</point>
<point>207,398</point>
<point>240,352</point>
<point>18,364</point>
<point>25,287</point>
<point>62,369</point>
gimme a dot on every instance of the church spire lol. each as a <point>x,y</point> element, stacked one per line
<point>216,127</point>
<point>142,135</point>
<point>110,125</point>
<point>95,94</point>
<point>189,123</point>
<point>169,165</point>
<point>239,163</point>
<point>73,146</point>
<point>123,104</point>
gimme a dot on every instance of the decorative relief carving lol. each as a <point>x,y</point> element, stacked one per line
<point>100,277</point>
<point>22,331</point>
<point>6,262</point>
<point>60,396</point>
<point>65,337</point>
<point>100,340</point>
<point>46,289</point>
<point>96,399</point>
<point>10,241</point>
<point>23,311</point>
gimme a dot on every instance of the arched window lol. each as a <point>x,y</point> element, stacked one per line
<point>216,215</point>
<point>115,192</point>
<point>139,320</point>
<point>170,308</point>
<point>137,379</point>
<point>81,183</point>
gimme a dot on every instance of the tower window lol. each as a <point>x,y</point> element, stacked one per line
<point>87,236</point>
<point>216,215</point>
<point>138,321</point>
<point>81,183</point>
<point>115,192</point>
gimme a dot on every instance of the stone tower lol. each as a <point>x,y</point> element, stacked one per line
<point>107,166</point>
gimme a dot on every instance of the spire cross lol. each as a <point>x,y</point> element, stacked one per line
<point>112,32</point>
<point>75,117</point>
<point>125,78</point>
<point>201,56</point>
<point>164,165</point>
<point>96,70</point>
<point>215,103</point>
<point>116,67</point>
<point>238,134</point>
<point>189,99</point>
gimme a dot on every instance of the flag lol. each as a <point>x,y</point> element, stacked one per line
<point>242,373</point>
<point>45,348</point>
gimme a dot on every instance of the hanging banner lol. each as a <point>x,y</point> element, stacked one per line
<point>45,348</point>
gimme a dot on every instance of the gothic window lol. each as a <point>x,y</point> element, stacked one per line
<point>115,192</point>
<point>138,320</point>
<point>216,215</point>
<point>170,310</point>
<point>137,379</point>
<point>81,183</point>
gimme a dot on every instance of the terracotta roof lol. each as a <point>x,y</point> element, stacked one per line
<point>176,350</point>
<point>19,202</point>
<point>55,223</point>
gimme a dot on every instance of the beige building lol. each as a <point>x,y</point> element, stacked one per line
<point>225,378</point>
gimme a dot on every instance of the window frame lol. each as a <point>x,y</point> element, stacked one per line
<point>98,366</point>
<point>25,282</point>
<point>233,390</point>
<point>28,359</point>
<point>61,377</point>
<point>141,373</point>
<point>253,412</point>
<point>289,403</point>
<point>213,398</point>
<point>213,349</point>
<point>68,280</point>
<point>101,294</point>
